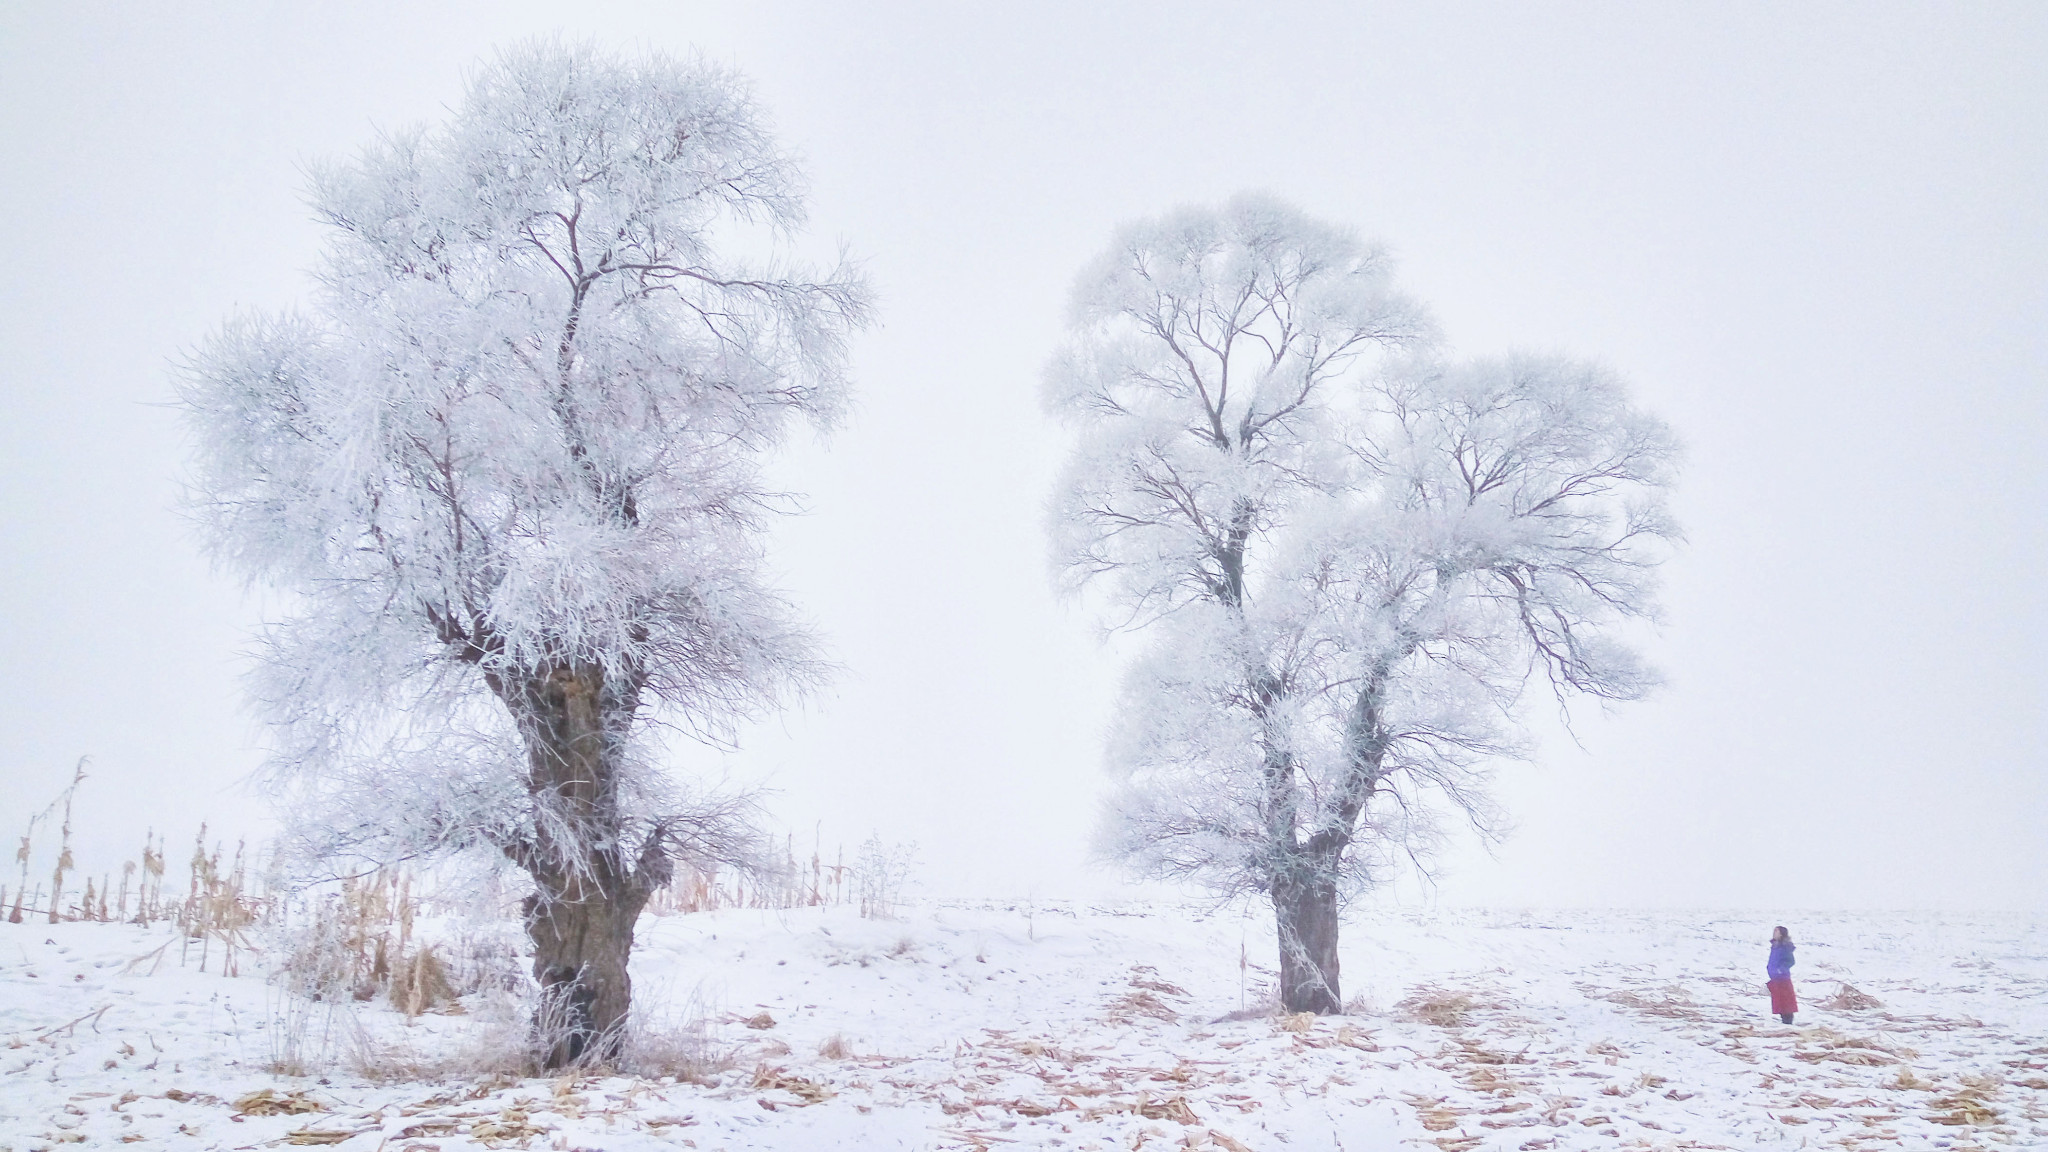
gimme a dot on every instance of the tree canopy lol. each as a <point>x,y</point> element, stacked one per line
<point>1349,552</point>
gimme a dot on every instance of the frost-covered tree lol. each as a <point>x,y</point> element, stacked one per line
<point>507,470</point>
<point>1349,556</point>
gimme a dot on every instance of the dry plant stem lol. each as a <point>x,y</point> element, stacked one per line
<point>150,895</point>
<point>21,855</point>
<point>64,845</point>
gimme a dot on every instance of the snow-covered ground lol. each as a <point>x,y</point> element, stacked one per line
<point>997,1026</point>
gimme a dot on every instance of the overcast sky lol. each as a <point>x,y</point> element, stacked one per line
<point>1815,237</point>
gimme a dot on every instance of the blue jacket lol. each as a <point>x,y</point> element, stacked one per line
<point>1780,965</point>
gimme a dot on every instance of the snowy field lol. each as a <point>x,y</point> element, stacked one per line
<point>990,1027</point>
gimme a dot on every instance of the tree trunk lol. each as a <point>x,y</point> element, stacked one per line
<point>580,918</point>
<point>580,950</point>
<point>1305,913</point>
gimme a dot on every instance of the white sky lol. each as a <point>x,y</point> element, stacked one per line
<point>1814,236</point>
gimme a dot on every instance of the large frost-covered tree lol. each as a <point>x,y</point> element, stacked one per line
<point>1349,555</point>
<point>507,470</point>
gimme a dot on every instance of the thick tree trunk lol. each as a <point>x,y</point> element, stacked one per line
<point>1305,912</point>
<point>586,899</point>
<point>580,950</point>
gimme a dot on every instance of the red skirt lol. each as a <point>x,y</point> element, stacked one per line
<point>1782,998</point>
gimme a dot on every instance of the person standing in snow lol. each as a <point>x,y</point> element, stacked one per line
<point>1783,1001</point>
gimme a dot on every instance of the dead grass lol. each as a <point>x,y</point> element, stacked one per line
<point>1144,1001</point>
<point>1435,1112</point>
<point>1967,1105</point>
<point>1346,1036</point>
<point>682,1042</point>
<point>1146,977</point>
<point>513,1123</point>
<point>1671,1002</point>
<point>1262,1007</point>
<point>268,1102</point>
<point>836,1047</point>
<point>357,942</point>
<point>310,1035</point>
<point>1436,1007</point>
<point>1850,999</point>
<point>302,1036</point>
<point>497,1041</point>
<point>1825,1045</point>
<point>1860,1057</point>
<point>1175,1108</point>
<point>1907,1081</point>
<point>421,983</point>
<point>1034,1048</point>
<point>806,1091</point>
<point>308,1137</point>
<point>1134,1005</point>
<point>1472,1053</point>
<point>1483,1078</point>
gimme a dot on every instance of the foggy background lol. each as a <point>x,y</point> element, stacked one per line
<point>1815,237</point>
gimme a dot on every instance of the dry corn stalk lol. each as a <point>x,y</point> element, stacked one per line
<point>807,1092</point>
<point>1435,1006</point>
<point>1850,999</point>
<point>266,1102</point>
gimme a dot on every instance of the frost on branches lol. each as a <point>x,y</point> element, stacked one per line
<point>1350,556</point>
<point>507,468</point>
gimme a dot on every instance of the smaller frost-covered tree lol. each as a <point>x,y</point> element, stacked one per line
<point>1350,556</point>
<point>507,471</point>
